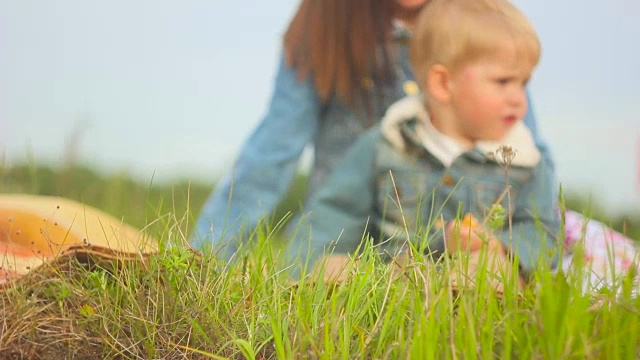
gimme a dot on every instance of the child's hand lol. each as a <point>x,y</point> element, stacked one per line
<point>468,235</point>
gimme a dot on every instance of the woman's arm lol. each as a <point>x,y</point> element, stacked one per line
<point>264,168</point>
<point>536,222</point>
<point>531,122</point>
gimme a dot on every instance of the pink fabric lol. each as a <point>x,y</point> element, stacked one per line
<point>608,255</point>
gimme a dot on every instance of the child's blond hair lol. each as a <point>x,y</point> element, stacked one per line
<point>454,33</point>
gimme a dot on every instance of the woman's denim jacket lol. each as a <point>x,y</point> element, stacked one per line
<point>268,161</point>
<point>390,185</point>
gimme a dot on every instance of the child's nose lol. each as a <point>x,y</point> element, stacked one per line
<point>518,97</point>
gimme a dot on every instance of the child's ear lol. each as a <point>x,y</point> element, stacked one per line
<point>438,83</point>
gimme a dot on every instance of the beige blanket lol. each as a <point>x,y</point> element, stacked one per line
<point>37,230</point>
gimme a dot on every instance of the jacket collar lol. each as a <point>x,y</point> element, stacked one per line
<point>406,126</point>
<point>399,31</point>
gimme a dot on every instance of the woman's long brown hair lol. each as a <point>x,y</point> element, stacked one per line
<point>344,44</point>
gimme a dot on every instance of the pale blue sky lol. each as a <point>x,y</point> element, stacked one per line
<point>175,86</point>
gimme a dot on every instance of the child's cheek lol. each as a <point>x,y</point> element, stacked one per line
<point>469,76</point>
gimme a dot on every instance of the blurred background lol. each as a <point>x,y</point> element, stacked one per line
<point>150,93</point>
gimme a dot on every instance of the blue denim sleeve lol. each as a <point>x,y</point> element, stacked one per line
<point>535,222</point>
<point>545,151</point>
<point>337,215</point>
<point>531,123</point>
<point>264,169</point>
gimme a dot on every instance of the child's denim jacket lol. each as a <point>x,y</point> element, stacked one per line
<point>389,184</point>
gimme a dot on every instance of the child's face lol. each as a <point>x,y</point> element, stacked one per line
<point>488,96</point>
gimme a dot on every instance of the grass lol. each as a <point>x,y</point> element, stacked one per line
<point>180,304</point>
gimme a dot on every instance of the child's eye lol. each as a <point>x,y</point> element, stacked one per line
<point>503,81</point>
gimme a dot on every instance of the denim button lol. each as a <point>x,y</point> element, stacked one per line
<point>447,180</point>
<point>410,87</point>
